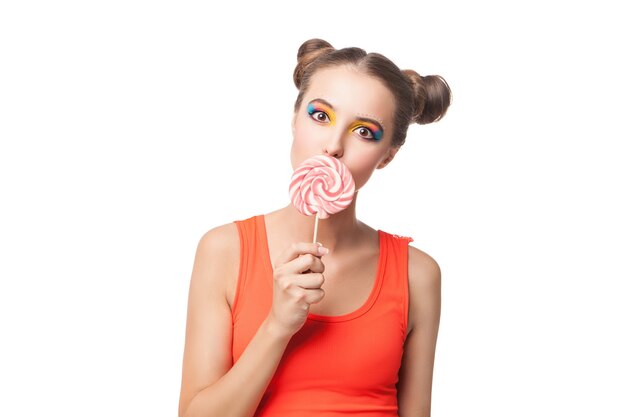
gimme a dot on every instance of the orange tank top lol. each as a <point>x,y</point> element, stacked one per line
<point>335,365</point>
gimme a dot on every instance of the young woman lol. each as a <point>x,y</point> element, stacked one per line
<point>278,326</point>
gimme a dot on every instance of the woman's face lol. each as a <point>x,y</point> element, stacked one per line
<point>346,114</point>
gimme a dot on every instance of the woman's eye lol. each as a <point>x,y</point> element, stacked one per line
<point>364,132</point>
<point>320,116</point>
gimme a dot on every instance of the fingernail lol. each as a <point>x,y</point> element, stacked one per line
<point>322,250</point>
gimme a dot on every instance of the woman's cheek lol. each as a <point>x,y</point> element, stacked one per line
<point>364,162</point>
<point>362,168</point>
<point>307,137</point>
<point>303,146</point>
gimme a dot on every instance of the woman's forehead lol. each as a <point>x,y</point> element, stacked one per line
<point>352,91</point>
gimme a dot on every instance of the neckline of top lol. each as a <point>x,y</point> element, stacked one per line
<point>373,295</point>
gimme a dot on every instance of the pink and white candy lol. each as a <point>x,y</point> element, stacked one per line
<point>321,185</point>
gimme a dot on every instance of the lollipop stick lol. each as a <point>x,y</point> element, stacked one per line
<point>315,230</point>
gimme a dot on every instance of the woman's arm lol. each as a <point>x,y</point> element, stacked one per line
<point>211,385</point>
<point>416,372</point>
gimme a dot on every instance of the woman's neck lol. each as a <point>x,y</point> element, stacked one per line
<point>340,229</point>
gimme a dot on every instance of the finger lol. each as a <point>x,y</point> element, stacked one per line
<point>306,263</point>
<point>296,249</point>
<point>317,265</point>
<point>308,281</point>
<point>314,296</point>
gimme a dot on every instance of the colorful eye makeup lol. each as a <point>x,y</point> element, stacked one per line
<point>317,106</point>
<point>373,128</point>
<point>365,127</point>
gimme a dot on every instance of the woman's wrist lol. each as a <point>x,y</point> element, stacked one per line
<point>275,331</point>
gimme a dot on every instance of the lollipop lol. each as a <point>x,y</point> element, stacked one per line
<point>321,185</point>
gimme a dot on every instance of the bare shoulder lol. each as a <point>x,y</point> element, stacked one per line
<point>220,239</point>
<point>423,269</point>
<point>218,250</point>
<point>424,286</point>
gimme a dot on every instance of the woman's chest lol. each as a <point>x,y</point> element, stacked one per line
<point>347,285</point>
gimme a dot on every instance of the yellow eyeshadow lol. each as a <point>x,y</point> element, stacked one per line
<point>376,131</point>
<point>315,107</point>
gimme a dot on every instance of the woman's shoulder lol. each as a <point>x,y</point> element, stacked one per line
<point>217,259</point>
<point>424,286</point>
<point>220,239</point>
<point>423,268</point>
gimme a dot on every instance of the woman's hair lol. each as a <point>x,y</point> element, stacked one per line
<point>419,99</point>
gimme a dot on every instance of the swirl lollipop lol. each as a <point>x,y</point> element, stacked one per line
<point>321,185</point>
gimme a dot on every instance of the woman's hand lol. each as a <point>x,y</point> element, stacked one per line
<point>297,284</point>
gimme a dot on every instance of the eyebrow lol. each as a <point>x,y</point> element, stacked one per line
<point>362,118</point>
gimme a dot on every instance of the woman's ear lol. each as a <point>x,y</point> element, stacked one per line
<point>389,157</point>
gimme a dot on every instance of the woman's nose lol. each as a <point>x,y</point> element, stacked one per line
<point>334,145</point>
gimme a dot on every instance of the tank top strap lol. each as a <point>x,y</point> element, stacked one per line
<point>395,290</point>
<point>253,271</point>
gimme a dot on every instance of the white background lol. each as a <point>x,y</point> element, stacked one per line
<point>130,128</point>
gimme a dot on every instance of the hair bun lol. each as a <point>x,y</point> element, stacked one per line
<point>308,52</point>
<point>432,97</point>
